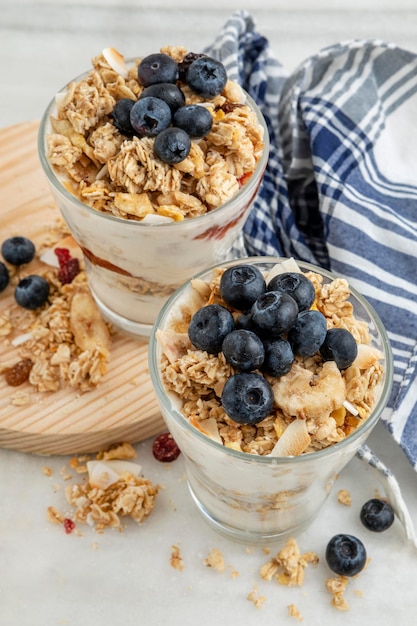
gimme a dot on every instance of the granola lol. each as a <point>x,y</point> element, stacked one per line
<point>121,175</point>
<point>66,341</point>
<point>113,489</point>
<point>288,566</point>
<point>315,403</point>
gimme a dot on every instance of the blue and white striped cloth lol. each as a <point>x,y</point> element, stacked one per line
<point>340,188</point>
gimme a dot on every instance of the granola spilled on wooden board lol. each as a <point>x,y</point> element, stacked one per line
<point>65,341</point>
<point>316,404</point>
<point>121,175</point>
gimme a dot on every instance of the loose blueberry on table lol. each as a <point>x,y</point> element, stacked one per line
<point>377,515</point>
<point>346,555</point>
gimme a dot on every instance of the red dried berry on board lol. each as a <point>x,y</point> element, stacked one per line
<point>18,373</point>
<point>165,449</point>
<point>69,271</point>
<point>69,266</point>
<point>63,255</point>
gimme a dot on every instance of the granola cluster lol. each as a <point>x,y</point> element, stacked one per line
<point>121,175</point>
<point>319,404</point>
<point>122,494</point>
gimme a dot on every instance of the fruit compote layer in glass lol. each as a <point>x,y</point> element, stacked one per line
<point>168,154</point>
<point>271,363</point>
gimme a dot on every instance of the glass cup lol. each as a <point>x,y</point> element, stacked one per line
<point>251,498</point>
<point>133,267</point>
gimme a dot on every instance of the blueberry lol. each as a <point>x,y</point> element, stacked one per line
<point>297,285</point>
<point>308,333</point>
<point>346,555</point>
<point>209,326</point>
<point>4,276</point>
<point>149,116</point>
<point>206,76</point>
<point>172,145</point>
<point>189,58</point>
<point>279,357</point>
<point>274,313</point>
<point>32,292</point>
<point>243,350</point>
<point>340,346</point>
<point>121,116</point>
<point>168,92</point>
<point>158,68</point>
<point>241,285</point>
<point>195,119</point>
<point>18,250</point>
<point>247,398</point>
<point>377,515</point>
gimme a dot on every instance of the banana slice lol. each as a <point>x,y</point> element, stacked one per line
<point>88,327</point>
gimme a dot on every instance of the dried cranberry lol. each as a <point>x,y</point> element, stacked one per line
<point>165,448</point>
<point>69,271</point>
<point>69,525</point>
<point>18,373</point>
<point>63,255</point>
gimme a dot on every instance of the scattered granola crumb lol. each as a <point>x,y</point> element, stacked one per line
<point>48,471</point>
<point>215,560</point>
<point>344,497</point>
<point>20,398</point>
<point>176,560</point>
<point>77,466</point>
<point>257,600</point>
<point>122,450</point>
<point>130,495</point>
<point>233,572</point>
<point>337,587</point>
<point>289,565</point>
<point>64,473</point>
<point>293,611</point>
<point>359,593</point>
<point>55,516</point>
<point>266,550</point>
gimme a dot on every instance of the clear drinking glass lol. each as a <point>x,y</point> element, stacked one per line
<point>262,498</point>
<point>133,267</point>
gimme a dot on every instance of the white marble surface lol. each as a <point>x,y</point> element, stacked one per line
<point>54,579</point>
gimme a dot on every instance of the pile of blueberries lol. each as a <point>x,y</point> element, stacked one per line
<point>161,111</point>
<point>32,291</point>
<point>275,324</point>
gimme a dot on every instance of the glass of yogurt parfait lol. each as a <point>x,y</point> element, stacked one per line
<point>264,437</point>
<point>147,218</point>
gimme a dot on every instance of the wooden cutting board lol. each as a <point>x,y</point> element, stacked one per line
<point>123,407</point>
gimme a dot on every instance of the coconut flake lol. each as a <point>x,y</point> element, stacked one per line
<point>367,356</point>
<point>293,441</point>
<point>349,407</point>
<point>49,257</point>
<point>116,61</point>
<point>154,218</point>
<point>102,474</point>
<point>287,265</point>
<point>17,341</point>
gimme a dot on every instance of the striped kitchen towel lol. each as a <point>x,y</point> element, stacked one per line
<point>340,189</point>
